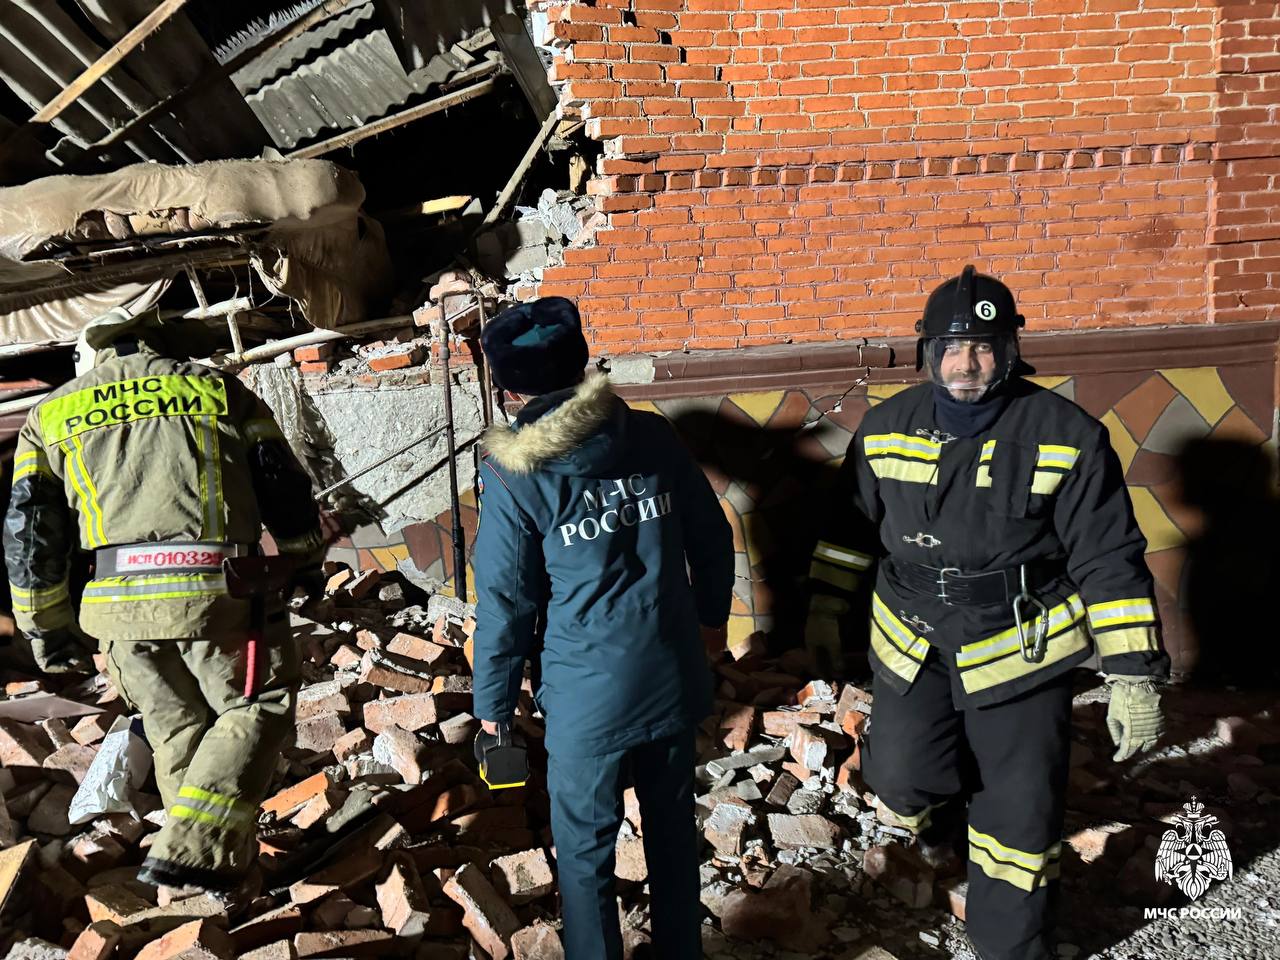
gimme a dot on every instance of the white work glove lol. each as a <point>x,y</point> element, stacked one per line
<point>1134,719</point>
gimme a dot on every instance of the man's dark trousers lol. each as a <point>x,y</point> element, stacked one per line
<point>586,812</point>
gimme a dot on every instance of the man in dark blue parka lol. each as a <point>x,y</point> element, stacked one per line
<point>599,533</point>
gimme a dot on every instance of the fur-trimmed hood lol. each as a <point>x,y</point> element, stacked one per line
<point>578,433</point>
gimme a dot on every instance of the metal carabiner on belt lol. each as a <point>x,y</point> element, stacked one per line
<point>1034,652</point>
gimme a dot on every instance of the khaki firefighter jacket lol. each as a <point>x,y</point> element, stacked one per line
<point>151,451</point>
<point>1041,487</point>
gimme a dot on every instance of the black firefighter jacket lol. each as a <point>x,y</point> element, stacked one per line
<point>1041,486</point>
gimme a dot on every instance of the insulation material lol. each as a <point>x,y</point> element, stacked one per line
<point>309,239</point>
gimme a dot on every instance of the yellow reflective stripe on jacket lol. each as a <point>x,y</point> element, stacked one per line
<point>94,534</point>
<point>984,464</point>
<point>896,631</point>
<point>842,556</point>
<point>888,468</point>
<point>901,445</point>
<point>206,430</point>
<point>836,576</point>
<point>42,598</point>
<point>115,589</point>
<point>29,462</point>
<point>260,429</point>
<point>892,658</point>
<point>1127,640</point>
<point>1064,615</point>
<point>1120,613</point>
<point>1053,462</point>
<point>1025,871</point>
<point>915,823</point>
<point>123,401</point>
<point>1053,456</point>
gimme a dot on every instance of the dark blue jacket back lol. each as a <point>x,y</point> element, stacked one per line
<point>601,549</point>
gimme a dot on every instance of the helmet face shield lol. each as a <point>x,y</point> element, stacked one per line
<point>969,367</point>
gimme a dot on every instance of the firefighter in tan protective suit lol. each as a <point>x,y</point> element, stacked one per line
<point>161,469</point>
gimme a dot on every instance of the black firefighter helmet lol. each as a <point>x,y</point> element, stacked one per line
<point>971,306</point>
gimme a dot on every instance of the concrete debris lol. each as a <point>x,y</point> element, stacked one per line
<point>379,839</point>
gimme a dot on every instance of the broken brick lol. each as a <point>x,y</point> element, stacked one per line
<point>815,695</point>
<point>901,872</point>
<point>523,876</point>
<point>345,657</point>
<point>23,744</point>
<point>783,788</point>
<point>402,751</point>
<point>98,851</point>
<point>629,860</point>
<point>780,909</point>
<point>807,830</point>
<point>73,759</point>
<point>321,699</point>
<point>738,724</point>
<point>115,903</point>
<point>274,925</point>
<point>954,894</point>
<point>1107,839</point>
<point>726,828</point>
<point>485,914</point>
<point>338,580</point>
<point>312,368</point>
<point>815,748</point>
<point>379,673</point>
<point>403,901</point>
<point>853,723</point>
<point>345,872</point>
<point>96,942</point>
<point>459,730</point>
<point>783,723</point>
<point>349,744</point>
<point>279,950</point>
<point>293,797</point>
<point>317,809</point>
<point>50,814</point>
<point>537,942</point>
<point>92,729</point>
<point>415,648</point>
<point>313,353</point>
<point>409,712</point>
<point>321,733</point>
<point>362,584</point>
<point>343,943</point>
<point>197,940</point>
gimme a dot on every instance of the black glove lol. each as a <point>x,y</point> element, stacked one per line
<point>483,743</point>
<point>62,650</point>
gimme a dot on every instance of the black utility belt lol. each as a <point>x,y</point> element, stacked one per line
<point>954,586</point>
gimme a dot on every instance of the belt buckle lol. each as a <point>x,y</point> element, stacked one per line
<point>942,583</point>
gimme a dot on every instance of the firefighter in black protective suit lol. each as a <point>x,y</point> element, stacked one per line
<point>1005,550</point>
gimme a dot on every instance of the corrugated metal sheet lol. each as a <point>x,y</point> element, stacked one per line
<point>339,76</point>
<point>42,50</point>
<point>172,58</point>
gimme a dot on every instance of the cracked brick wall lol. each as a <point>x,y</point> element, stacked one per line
<point>807,170</point>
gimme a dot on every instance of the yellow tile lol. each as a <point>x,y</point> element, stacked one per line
<point>759,539</point>
<point>1123,444</point>
<point>758,406</point>
<point>646,405</point>
<point>740,627</point>
<point>883,391</point>
<point>1161,532</point>
<point>1049,382</point>
<point>1203,387</point>
<point>390,557</point>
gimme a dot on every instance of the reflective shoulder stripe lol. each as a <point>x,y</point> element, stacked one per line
<point>901,445</point>
<point>1018,867</point>
<point>842,556</point>
<point>1127,640</point>
<point>1054,455</point>
<point>259,430</point>
<point>123,401</point>
<point>988,451</point>
<point>1119,613</point>
<point>113,589</point>
<point>39,598</point>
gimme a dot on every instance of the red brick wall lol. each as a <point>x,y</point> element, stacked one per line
<point>799,170</point>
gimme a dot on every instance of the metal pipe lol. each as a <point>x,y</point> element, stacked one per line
<point>459,540</point>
